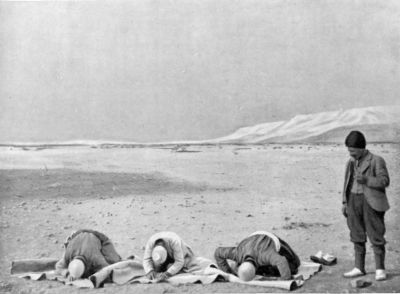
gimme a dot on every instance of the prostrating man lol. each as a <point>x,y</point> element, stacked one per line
<point>365,203</point>
<point>261,253</point>
<point>165,255</point>
<point>86,252</point>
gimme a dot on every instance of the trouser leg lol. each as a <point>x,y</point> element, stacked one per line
<point>375,227</point>
<point>355,222</point>
<point>359,261</point>
<point>379,253</point>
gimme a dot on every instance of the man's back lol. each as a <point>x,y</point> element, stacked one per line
<point>87,247</point>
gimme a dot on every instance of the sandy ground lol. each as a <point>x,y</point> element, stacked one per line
<point>212,197</point>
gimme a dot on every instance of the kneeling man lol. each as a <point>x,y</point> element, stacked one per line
<point>165,255</point>
<point>262,253</point>
<point>86,252</point>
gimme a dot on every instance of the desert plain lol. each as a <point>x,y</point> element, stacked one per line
<point>210,195</point>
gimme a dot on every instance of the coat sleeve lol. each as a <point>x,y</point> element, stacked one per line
<point>61,265</point>
<point>147,261</point>
<point>176,246</point>
<point>98,262</point>
<point>346,175</point>
<point>282,264</point>
<point>380,180</point>
<point>109,252</point>
<point>221,255</point>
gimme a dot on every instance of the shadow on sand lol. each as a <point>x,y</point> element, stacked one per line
<point>72,183</point>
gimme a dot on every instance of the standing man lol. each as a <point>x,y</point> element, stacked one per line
<point>365,203</point>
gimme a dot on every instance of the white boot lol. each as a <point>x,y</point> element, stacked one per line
<point>380,275</point>
<point>355,272</point>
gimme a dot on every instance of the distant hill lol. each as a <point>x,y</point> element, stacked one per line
<point>379,124</point>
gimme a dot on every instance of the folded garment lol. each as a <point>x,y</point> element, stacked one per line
<point>325,259</point>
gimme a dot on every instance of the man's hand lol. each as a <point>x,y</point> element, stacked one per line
<point>62,272</point>
<point>344,210</point>
<point>151,275</point>
<point>361,179</point>
<point>163,276</point>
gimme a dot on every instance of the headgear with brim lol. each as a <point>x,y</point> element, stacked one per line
<point>159,255</point>
<point>247,271</point>
<point>76,268</point>
<point>355,139</point>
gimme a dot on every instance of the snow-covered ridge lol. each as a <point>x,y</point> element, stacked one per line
<point>379,124</point>
<point>306,128</point>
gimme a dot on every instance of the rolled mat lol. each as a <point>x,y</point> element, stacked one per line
<point>131,271</point>
<point>33,265</point>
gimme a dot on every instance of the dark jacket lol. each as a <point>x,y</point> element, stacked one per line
<point>260,250</point>
<point>93,248</point>
<point>374,168</point>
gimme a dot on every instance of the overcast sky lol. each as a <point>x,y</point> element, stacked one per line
<point>151,71</point>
